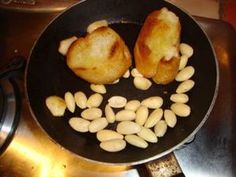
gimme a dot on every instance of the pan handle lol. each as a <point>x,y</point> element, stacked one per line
<point>16,65</point>
<point>166,166</point>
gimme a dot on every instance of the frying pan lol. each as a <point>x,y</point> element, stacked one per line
<point>47,74</point>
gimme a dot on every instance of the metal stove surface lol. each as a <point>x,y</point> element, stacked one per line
<point>32,153</point>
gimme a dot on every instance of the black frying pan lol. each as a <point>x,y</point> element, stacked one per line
<point>47,74</point>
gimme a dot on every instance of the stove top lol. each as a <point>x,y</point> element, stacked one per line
<point>36,5</point>
<point>32,153</point>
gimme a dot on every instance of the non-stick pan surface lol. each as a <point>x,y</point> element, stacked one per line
<point>47,74</point>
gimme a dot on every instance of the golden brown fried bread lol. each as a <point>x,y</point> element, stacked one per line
<point>166,70</point>
<point>100,57</point>
<point>157,45</point>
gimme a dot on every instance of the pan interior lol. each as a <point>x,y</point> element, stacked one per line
<point>47,74</point>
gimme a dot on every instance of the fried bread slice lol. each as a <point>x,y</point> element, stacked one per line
<point>158,41</point>
<point>100,57</point>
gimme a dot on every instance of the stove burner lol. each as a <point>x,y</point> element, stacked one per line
<point>9,111</point>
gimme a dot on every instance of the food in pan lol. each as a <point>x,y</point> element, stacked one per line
<point>156,51</point>
<point>100,57</point>
<point>136,122</point>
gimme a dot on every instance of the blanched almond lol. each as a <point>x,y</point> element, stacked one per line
<point>179,98</point>
<point>170,118</point>
<point>117,102</point>
<point>94,100</point>
<point>128,127</point>
<point>125,115</point>
<point>113,145</point>
<point>142,83</point>
<point>180,109</point>
<point>185,86</point>
<point>183,62</point>
<point>98,88</point>
<point>153,102</point>
<point>91,113</point>
<point>80,99</point>
<point>136,73</point>
<point>160,128</point>
<point>148,135</point>
<point>136,141</point>
<point>56,105</point>
<point>109,114</point>
<point>65,44</point>
<point>132,105</point>
<point>153,118</point>
<point>97,124</point>
<point>115,81</point>
<point>105,135</point>
<point>186,50</point>
<point>185,74</point>
<point>127,74</point>
<point>95,25</point>
<point>141,115</point>
<point>79,124</point>
<point>70,101</point>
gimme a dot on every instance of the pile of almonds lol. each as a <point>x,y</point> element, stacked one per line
<point>139,122</point>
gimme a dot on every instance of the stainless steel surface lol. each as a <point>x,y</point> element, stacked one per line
<point>36,5</point>
<point>212,153</point>
<point>10,111</point>
<point>32,153</point>
<point>29,2</point>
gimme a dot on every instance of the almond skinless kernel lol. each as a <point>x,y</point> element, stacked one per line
<point>70,101</point>
<point>97,124</point>
<point>186,50</point>
<point>142,83</point>
<point>153,118</point>
<point>136,73</point>
<point>170,118</point>
<point>127,74</point>
<point>152,102</point>
<point>80,99</point>
<point>125,115</point>
<point>99,88</point>
<point>65,44</point>
<point>183,62</point>
<point>56,105</point>
<point>181,109</point>
<point>132,105</point>
<point>117,101</point>
<point>148,135</point>
<point>109,114</point>
<point>79,124</point>
<point>94,100</point>
<point>185,74</point>
<point>160,128</point>
<point>185,86</point>
<point>141,115</point>
<point>128,127</point>
<point>179,98</point>
<point>113,145</point>
<point>136,141</point>
<point>91,113</point>
<point>106,134</point>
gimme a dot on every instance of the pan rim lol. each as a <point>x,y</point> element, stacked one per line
<point>211,106</point>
